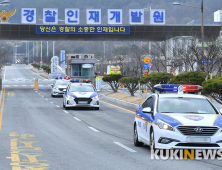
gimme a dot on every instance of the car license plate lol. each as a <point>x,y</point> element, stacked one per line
<point>82,102</point>
<point>198,139</point>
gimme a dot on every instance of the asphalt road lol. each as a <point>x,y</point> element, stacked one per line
<point>37,133</point>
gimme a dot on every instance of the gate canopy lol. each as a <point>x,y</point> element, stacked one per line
<point>137,33</point>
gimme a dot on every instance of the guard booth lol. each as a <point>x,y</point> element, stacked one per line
<point>81,66</point>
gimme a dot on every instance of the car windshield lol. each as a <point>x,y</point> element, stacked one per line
<point>185,105</point>
<point>81,88</point>
<point>60,82</point>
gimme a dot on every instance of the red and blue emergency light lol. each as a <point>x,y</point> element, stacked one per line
<point>75,80</point>
<point>174,88</point>
<point>58,78</point>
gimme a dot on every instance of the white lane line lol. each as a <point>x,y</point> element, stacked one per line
<point>46,99</point>
<point>95,130</point>
<point>125,147</point>
<point>77,119</point>
<point>15,85</point>
<point>42,96</point>
<point>65,111</point>
<point>23,85</point>
<point>51,102</point>
<point>4,73</point>
<point>57,106</point>
<point>40,85</point>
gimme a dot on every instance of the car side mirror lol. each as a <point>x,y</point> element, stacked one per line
<point>51,84</point>
<point>64,90</point>
<point>147,110</point>
<point>220,110</point>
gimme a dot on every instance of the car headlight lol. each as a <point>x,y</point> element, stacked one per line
<point>163,125</point>
<point>71,97</point>
<point>95,97</point>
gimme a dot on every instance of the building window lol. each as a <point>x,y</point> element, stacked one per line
<point>76,70</point>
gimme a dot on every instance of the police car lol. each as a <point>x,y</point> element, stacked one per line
<point>58,86</point>
<point>178,120</point>
<point>80,95</point>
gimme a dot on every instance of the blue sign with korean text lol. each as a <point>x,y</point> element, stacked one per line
<point>157,16</point>
<point>28,15</point>
<point>81,29</point>
<point>146,66</point>
<point>136,16</point>
<point>71,16</point>
<point>114,16</point>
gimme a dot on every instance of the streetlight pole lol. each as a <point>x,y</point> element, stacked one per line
<point>202,23</point>
<point>202,29</point>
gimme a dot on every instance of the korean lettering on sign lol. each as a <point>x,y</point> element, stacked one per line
<point>114,16</point>
<point>72,16</point>
<point>28,15</point>
<point>157,16</point>
<point>50,16</point>
<point>136,16</point>
<point>93,16</point>
<point>67,29</point>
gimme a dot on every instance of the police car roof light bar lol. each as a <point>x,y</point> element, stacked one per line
<point>192,88</point>
<point>85,80</point>
<point>58,77</point>
<point>67,78</point>
<point>174,88</point>
<point>75,80</point>
<point>166,87</point>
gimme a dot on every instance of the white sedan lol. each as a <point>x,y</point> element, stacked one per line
<point>178,120</point>
<point>58,86</point>
<point>80,95</point>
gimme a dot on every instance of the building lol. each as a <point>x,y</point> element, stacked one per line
<point>218,16</point>
<point>81,66</point>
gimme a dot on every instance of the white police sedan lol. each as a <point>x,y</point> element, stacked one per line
<point>80,95</point>
<point>178,120</point>
<point>58,86</point>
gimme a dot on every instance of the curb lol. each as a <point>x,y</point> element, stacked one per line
<point>44,76</point>
<point>122,102</point>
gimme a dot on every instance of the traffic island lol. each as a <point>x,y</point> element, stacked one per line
<point>124,99</point>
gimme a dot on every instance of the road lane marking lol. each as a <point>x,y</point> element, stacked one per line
<point>21,147</point>
<point>10,93</point>
<point>77,119</point>
<point>46,99</point>
<point>23,85</point>
<point>125,147</point>
<point>1,113</point>
<point>42,95</point>
<point>92,128</point>
<point>1,95</point>
<point>40,85</point>
<point>119,107</point>
<point>4,73</point>
<point>57,106</point>
<point>51,102</point>
<point>65,111</point>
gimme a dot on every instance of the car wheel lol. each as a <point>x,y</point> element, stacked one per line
<point>135,137</point>
<point>152,141</point>
<point>63,105</point>
<point>52,95</point>
<point>96,108</point>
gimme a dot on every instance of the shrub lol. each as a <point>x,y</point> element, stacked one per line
<point>113,81</point>
<point>131,83</point>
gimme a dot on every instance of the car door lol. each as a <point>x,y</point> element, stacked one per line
<point>141,121</point>
<point>148,119</point>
